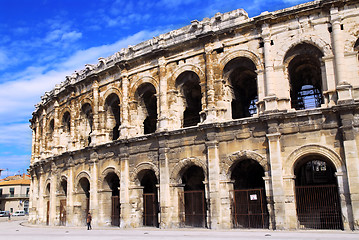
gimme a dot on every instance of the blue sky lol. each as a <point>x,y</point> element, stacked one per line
<point>42,41</point>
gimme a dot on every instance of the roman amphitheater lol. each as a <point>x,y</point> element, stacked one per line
<point>229,122</point>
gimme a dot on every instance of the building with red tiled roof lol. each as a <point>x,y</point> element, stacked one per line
<point>14,193</point>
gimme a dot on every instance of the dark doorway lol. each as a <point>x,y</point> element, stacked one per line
<point>63,212</point>
<point>113,182</point>
<point>317,197</point>
<point>150,201</point>
<point>48,213</point>
<point>194,198</point>
<point>85,196</point>
<point>249,199</point>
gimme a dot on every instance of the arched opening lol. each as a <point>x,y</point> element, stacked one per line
<point>249,198</point>
<point>305,76</point>
<point>87,123</point>
<point>356,48</point>
<point>189,84</point>
<point>317,196</point>
<point>51,127</point>
<point>83,195</point>
<point>66,122</point>
<point>112,109</point>
<point>149,181</point>
<point>193,200</point>
<point>63,195</point>
<point>146,96</point>
<point>113,184</point>
<point>242,79</point>
<point>47,197</point>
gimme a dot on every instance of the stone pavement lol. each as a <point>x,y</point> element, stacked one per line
<point>18,228</point>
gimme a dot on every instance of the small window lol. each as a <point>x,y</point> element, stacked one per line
<point>12,192</point>
<point>27,191</point>
<point>0,191</point>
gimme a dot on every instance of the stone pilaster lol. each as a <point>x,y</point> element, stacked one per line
<point>338,45</point>
<point>277,179</point>
<point>70,193</point>
<point>125,105</point>
<point>210,109</point>
<point>164,196</point>
<point>214,185</point>
<point>289,202</point>
<point>344,198</point>
<point>54,218</point>
<point>162,96</point>
<point>352,162</point>
<point>95,136</point>
<point>125,220</point>
<point>94,188</point>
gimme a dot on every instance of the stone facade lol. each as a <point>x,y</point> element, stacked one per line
<point>264,106</point>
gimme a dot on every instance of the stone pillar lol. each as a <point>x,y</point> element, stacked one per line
<point>338,45</point>
<point>289,202</point>
<point>344,198</point>
<point>164,196</point>
<point>125,220</point>
<point>70,194</point>
<point>352,162</point>
<point>54,219</point>
<point>41,204</point>
<point>94,188</point>
<point>277,179</point>
<point>226,197</point>
<point>270,99</point>
<point>33,196</point>
<point>125,105</point>
<point>33,145</point>
<point>37,140</point>
<point>43,136</point>
<point>162,96</point>
<point>329,81</point>
<point>210,108</point>
<point>95,138</point>
<point>213,183</point>
<point>270,203</point>
<point>57,126</point>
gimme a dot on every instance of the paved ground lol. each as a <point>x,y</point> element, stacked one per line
<point>18,228</point>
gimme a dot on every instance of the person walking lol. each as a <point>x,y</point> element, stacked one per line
<point>88,221</point>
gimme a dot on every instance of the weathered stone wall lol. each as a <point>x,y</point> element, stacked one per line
<point>211,95</point>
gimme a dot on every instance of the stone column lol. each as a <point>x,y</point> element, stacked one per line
<point>125,104</point>
<point>95,138</point>
<point>125,220</point>
<point>33,196</point>
<point>162,95</point>
<point>352,162</point>
<point>226,197</point>
<point>37,140</point>
<point>270,98</point>
<point>70,194</point>
<point>277,179</point>
<point>338,45</point>
<point>54,219</point>
<point>57,126</point>
<point>164,196</point>
<point>41,204</point>
<point>344,198</point>
<point>210,108</point>
<point>289,202</point>
<point>94,188</point>
<point>43,136</point>
<point>213,183</point>
<point>33,145</point>
<point>269,197</point>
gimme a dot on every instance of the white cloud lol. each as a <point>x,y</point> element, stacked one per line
<point>71,36</point>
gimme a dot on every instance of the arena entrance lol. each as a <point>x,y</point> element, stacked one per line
<point>249,206</point>
<point>150,201</point>
<point>193,198</point>
<point>84,197</point>
<point>113,183</point>
<point>317,196</point>
<point>63,195</point>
